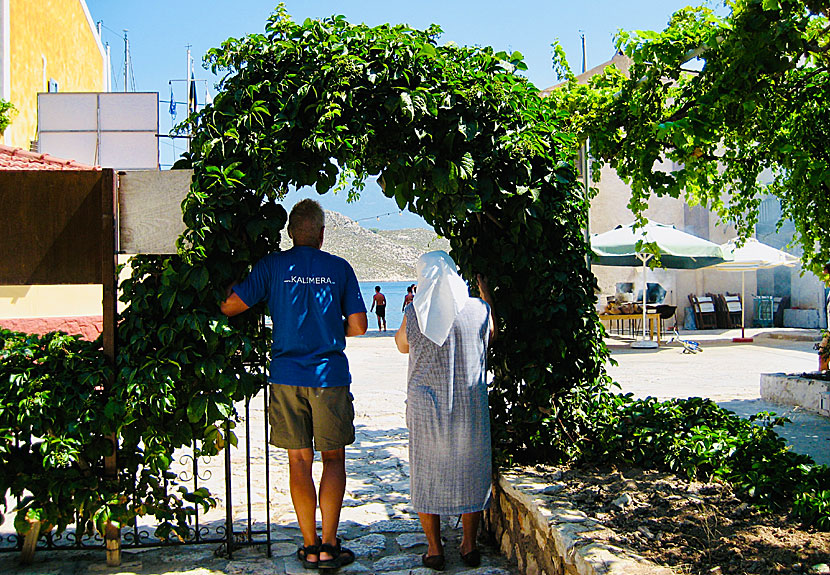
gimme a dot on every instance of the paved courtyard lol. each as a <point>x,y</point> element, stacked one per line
<point>728,373</point>
<point>377,522</point>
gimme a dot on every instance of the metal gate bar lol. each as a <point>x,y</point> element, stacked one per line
<point>138,535</point>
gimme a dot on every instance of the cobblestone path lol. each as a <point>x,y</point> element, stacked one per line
<point>376,523</point>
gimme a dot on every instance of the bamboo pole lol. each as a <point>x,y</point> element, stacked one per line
<point>112,534</point>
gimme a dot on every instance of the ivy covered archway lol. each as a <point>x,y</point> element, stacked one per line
<point>454,134</point>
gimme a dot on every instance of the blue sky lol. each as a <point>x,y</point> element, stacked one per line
<point>159,33</point>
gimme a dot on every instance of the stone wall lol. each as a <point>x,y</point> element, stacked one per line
<point>547,535</point>
<point>804,391</point>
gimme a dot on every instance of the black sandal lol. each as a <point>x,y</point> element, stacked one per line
<point>304,552</point>
<point>340,556</point>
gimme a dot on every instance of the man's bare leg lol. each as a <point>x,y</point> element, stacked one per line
<point>332,488</point>
<point>469,524</point>
<point>431,525</point>
<point>303,494</point>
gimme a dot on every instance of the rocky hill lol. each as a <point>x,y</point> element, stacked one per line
<point>422,239</point>
<point>382,255</point>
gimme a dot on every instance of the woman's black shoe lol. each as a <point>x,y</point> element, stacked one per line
<point>435,562</point>
<point>472,559</point>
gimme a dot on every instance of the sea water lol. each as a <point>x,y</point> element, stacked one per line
<point>394,292</point>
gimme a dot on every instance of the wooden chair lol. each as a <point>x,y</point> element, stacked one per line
<point>728,310</point>
<point>734,308</point>
<point>721,313</point>
<point>704,310</point>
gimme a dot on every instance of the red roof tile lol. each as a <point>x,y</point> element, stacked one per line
<point>20,159</point>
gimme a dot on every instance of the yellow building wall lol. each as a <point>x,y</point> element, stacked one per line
<point>50,301</point>
<point>60,31</point>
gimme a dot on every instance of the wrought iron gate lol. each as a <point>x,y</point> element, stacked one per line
<point>233,531</point>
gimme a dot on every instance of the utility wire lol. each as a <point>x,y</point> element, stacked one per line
<point>132,76</point>
<point>379,216</point>
<point>123,68</point>
<point>105,27</point>
<point>113,78</point>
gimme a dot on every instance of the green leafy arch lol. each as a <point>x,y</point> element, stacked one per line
<point>454,134</point>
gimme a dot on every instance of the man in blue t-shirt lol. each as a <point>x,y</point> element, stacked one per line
<point>315,303</point>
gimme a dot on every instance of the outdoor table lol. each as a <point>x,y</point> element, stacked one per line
<point>653,320</point>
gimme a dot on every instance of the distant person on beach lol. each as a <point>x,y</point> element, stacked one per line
<point>446,334</point>
<point>379,307</point>
<point>410,294</point>
<point>315,303</point>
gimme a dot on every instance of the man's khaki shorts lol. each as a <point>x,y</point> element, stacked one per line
<point>299,414</point>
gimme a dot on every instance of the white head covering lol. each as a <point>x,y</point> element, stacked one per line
<point>441,295</point>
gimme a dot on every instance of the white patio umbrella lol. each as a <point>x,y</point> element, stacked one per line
<point>625,246</point>
<point>752,256</point>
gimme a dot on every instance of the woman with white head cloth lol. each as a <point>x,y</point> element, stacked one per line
<point>446,334</point>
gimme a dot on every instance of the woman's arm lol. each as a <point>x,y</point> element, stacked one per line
<point>487,296</point>
<point>400,338</point>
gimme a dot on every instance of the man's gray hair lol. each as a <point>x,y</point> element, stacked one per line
<point>305,221</point>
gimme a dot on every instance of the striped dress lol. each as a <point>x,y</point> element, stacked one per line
<point>448,415</point>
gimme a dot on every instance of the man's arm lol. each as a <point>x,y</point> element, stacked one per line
<point>400,338</point>
<point>356,324</point>
<point>255,289</point>
<point>233,305</point>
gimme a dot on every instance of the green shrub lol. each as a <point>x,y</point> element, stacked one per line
<point>814,508</point>
<point>7,112</point>
<point>699,440</point>
<point>52,425</point>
